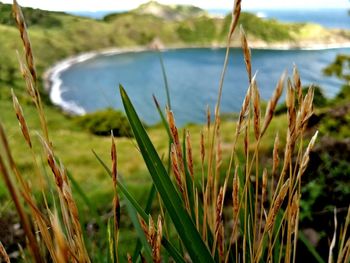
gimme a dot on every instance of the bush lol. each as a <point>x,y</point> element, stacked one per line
<point>266,29</point>
<point>33,17</point>
<point>319,100</point>
<point>103,122</point>
<point>198,30</point>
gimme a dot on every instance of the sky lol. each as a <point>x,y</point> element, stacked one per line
<point>122,5</point>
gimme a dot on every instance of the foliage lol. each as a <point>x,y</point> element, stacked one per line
<point>105,121</point>
<point>269,30</point>
<point>34,17</point>
<point>340,68</point>
<point>320,100</point>
<point>167,12</point>
<point>202,29</point>
<point>326,186</point>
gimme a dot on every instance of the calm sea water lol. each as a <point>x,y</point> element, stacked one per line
<point>193,76</point>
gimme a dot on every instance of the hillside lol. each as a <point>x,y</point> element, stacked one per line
<point>176,12</point>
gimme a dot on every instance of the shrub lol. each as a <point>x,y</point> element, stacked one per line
<point>33,17</point>
<point>265,29</point>
<point>319,100</point>
<point>105,121</point>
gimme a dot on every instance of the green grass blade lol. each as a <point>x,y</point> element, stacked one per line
<point>124,190</point>
<point>162,117</point>
<point>172,251</point>
<point>185,227</point>
<point>166,84</point>
<point>167,245</point>
<point>81,193</point>
<point>310,247</point>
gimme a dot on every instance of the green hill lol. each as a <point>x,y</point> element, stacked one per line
<point>176,12</point>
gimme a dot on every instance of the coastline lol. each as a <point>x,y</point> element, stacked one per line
<point>53,82</point>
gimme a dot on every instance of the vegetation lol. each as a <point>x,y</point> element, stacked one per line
<point>267,30</point>
<point>341,68</point>
<point>319,101</point>
<point>34,17</point>
<point>220,203</point>
<point>105,121</point>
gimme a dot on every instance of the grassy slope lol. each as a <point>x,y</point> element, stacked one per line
<point>74,149</point>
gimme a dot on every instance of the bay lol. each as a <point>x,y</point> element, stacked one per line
<point>193,76</point>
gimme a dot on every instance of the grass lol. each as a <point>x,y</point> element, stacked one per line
<point>192,180</point>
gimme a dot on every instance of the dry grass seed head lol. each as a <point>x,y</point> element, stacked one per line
<point>208,118</point>
<point>62,248</point>
<point>218,213</point>
<point>176,169</point>
<point>294,211</point>
<point>151,231</point>
<point>175,136</point>
<point>246,53</point>
<point>52,163</point>
<point>28,79</point>
<point>290,102</point>
<point>114,161</point>
<point>243,115</point>
<point>18,15</point>
<point>297,83</point>
<point>221,241</point>
<point>264,185</point>
<point>306,156</point>
<point>271,106</point>
<point>158,241</point>
<point>21,119</point>
<point>276,158</point>
<point>276,206</point>
<point>235,16</point>
<point>129,258</point>
<point>189,154</point>
<point>256,108</point>
<point>202,147</point>
<point>4,254</point>
<point>306,110</point>
<point>144,226</point>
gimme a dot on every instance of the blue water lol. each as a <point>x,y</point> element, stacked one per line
<point>193,76</point>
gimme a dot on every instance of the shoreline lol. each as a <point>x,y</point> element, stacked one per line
<point>53,82</point>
